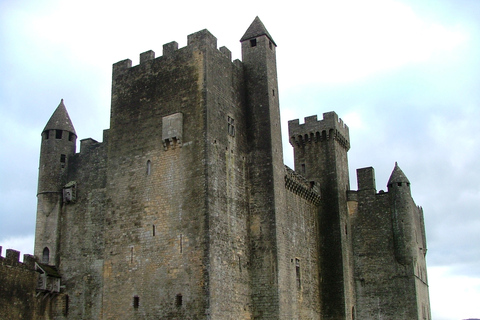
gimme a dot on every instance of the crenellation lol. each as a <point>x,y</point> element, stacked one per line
<point>313,130</point>
<point>201,39</point>
<point>226,52</point>
<point>147,56</point>
<point>170,48</point>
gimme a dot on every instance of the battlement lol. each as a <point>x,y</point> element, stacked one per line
<point>12,259</point>
<point>313,130</point>
<point>199,40</point>
<point>297,184</point>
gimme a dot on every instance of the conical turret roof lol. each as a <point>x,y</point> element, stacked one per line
<point>397,176</point>
<point>256,29</point>
<point>60,120</point>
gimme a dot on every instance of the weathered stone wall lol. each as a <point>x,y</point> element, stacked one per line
<point>82,233</point>
<point>156,241</point>
<point>387,284</point>
<point>226,178</point>
<point>303,252</point>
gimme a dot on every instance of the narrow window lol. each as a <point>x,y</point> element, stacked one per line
<point>65,306</point>
<point>231,126</point>
<point>63,159</point>
<point>181,243</point>
<point>46,255</point>
<point>297,274</point>
<point>70,136</point>
<point>253,42</point>
<point>47,134</point>
<point>131,254</point>
<point>273,92</point>
<point>303,167</point>
<point>136,302</point>
<point>153,230</point>
<point>58,134</point>
<point>270,45</point>
<point>149,167</point>
<point>178,300</point>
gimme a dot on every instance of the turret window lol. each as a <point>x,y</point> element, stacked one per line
<point>58,134</point>
<point>253,42</point>
<point>47,134</point>
<point>46,255</point>
<point>70,136</point>
<point>63,159</point>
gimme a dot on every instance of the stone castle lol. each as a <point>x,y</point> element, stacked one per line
<point>187,211</point>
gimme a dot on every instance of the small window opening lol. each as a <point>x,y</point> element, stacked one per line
<point>239,264</point>
<point>297,274</point>
<point>149,167</point>
<point>70,136</point>
<point>273,92</point>
<point>153,230</point>
<point>399,184</point>
<point>270,45</point>
<point>63,159</point>
<point>181,243</point>
<point>231,126</point>
<point>178,300</point>
<point>131,254</point>
<point>47,134</point>
<point>253,42</point>
<point>58,134</point>
<point>303,167</point>
<point>46,255</point>
<point>65,306</point>
<point>136,302</point>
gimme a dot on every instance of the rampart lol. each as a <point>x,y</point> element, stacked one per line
<point>18,281</point>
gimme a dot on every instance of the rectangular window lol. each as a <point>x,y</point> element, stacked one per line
<point>136,302</point>
<point>253,42</point>
<point>63,159</point>
<point>231,126</point>
<point>297,274</point>
<point>58,134</point>
<point>178,300</point>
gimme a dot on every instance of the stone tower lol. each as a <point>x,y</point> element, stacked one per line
<point>389,243</point>
<point>267,203</point>
<point>57,148</point>
<point>320,154</point>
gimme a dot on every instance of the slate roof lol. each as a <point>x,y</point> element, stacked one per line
<point>256,29</point>
<point>60,120</point>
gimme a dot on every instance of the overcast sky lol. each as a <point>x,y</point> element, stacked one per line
<point>404,76</point>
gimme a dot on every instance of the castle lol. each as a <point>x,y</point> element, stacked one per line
<point>187,211</point>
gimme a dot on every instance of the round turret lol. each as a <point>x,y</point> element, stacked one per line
<point>58,146</point>
<point>398,180</point>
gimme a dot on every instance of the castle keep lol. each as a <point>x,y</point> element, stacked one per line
<point>187,211</point>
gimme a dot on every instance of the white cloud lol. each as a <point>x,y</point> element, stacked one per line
<point>453,296</point>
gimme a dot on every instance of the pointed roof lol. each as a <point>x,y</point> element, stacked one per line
<point>397,175</point>
<point>60,120</point>
<point>256,29</point>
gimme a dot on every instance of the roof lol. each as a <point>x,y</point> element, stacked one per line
<point>397,175</point>
<point>48,270</point>
<point>60,120</point>
<point>256,29</point>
